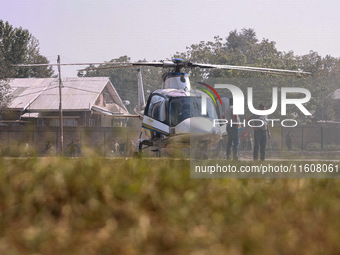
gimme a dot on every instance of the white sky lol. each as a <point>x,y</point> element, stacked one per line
<point>100,30</point>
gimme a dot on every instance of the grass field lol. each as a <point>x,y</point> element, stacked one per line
<point>95,205</point>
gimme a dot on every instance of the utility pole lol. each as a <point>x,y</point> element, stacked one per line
<point>61,124</point>
<point>322,117</point>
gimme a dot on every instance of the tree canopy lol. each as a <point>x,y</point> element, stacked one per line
<point>18,46</point>
<point>244,48</point>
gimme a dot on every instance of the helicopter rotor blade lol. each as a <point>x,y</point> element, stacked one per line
<point>70,64</point>
<point>176,64</point>
<point>250,68</point>
<point>113,64</point>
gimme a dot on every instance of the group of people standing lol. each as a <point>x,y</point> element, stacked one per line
<point>261,133</point>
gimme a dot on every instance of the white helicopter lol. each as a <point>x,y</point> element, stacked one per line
<point>172,116</point>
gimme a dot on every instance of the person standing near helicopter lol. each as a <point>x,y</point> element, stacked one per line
<point>232,129</point>
<point>261,134</point>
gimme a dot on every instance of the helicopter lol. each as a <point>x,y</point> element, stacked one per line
<point>172,116</point>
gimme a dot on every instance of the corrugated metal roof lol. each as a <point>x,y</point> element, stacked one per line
<point>25,91</point>
<point>77,94</point>
<point>42,94</point>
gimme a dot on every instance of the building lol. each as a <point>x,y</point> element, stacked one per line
<point>86,101</point>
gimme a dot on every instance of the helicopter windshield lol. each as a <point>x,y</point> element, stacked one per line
<point>181,108</point>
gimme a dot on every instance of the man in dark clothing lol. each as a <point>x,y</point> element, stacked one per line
<point>72,148</point>
<point>233,136</point>
<point>289,138</point>
<point>261,134</point>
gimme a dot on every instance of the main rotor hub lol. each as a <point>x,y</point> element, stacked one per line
<point>177,60</point>
<point>179,64</point>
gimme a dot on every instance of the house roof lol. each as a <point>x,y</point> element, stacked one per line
<point>42,94</point>
<point>25,91</point>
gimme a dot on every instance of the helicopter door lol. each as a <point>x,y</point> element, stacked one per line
<point>156,116</point>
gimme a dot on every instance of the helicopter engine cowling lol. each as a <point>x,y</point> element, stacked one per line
<point>177,81</point>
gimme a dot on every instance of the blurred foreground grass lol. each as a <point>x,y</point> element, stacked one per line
<point>151,206</point>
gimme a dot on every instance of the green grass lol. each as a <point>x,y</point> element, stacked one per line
<point>151,206</point>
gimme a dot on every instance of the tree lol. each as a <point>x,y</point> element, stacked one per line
<point>323,84</point>
<point>243,48</point>
<point>5,97</point>
<point>34,56</point>
<point>18,46</point>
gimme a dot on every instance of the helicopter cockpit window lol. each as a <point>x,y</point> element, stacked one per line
<point>187,107</point>
<point>157,108</point>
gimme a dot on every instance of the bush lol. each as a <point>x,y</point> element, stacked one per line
<point>95,205</point>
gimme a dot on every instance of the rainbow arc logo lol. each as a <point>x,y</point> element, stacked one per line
<point>209,93</point>
<point>213,98</point>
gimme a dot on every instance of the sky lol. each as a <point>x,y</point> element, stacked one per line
<point>101,30</point>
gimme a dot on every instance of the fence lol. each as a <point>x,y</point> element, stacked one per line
<point>306,138</point>
<point>16,141</point>
<point>122,140</point>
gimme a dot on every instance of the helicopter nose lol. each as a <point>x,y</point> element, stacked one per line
<point>199,127</point>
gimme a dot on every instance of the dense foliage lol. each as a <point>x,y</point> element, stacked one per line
<point>18,46</point>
